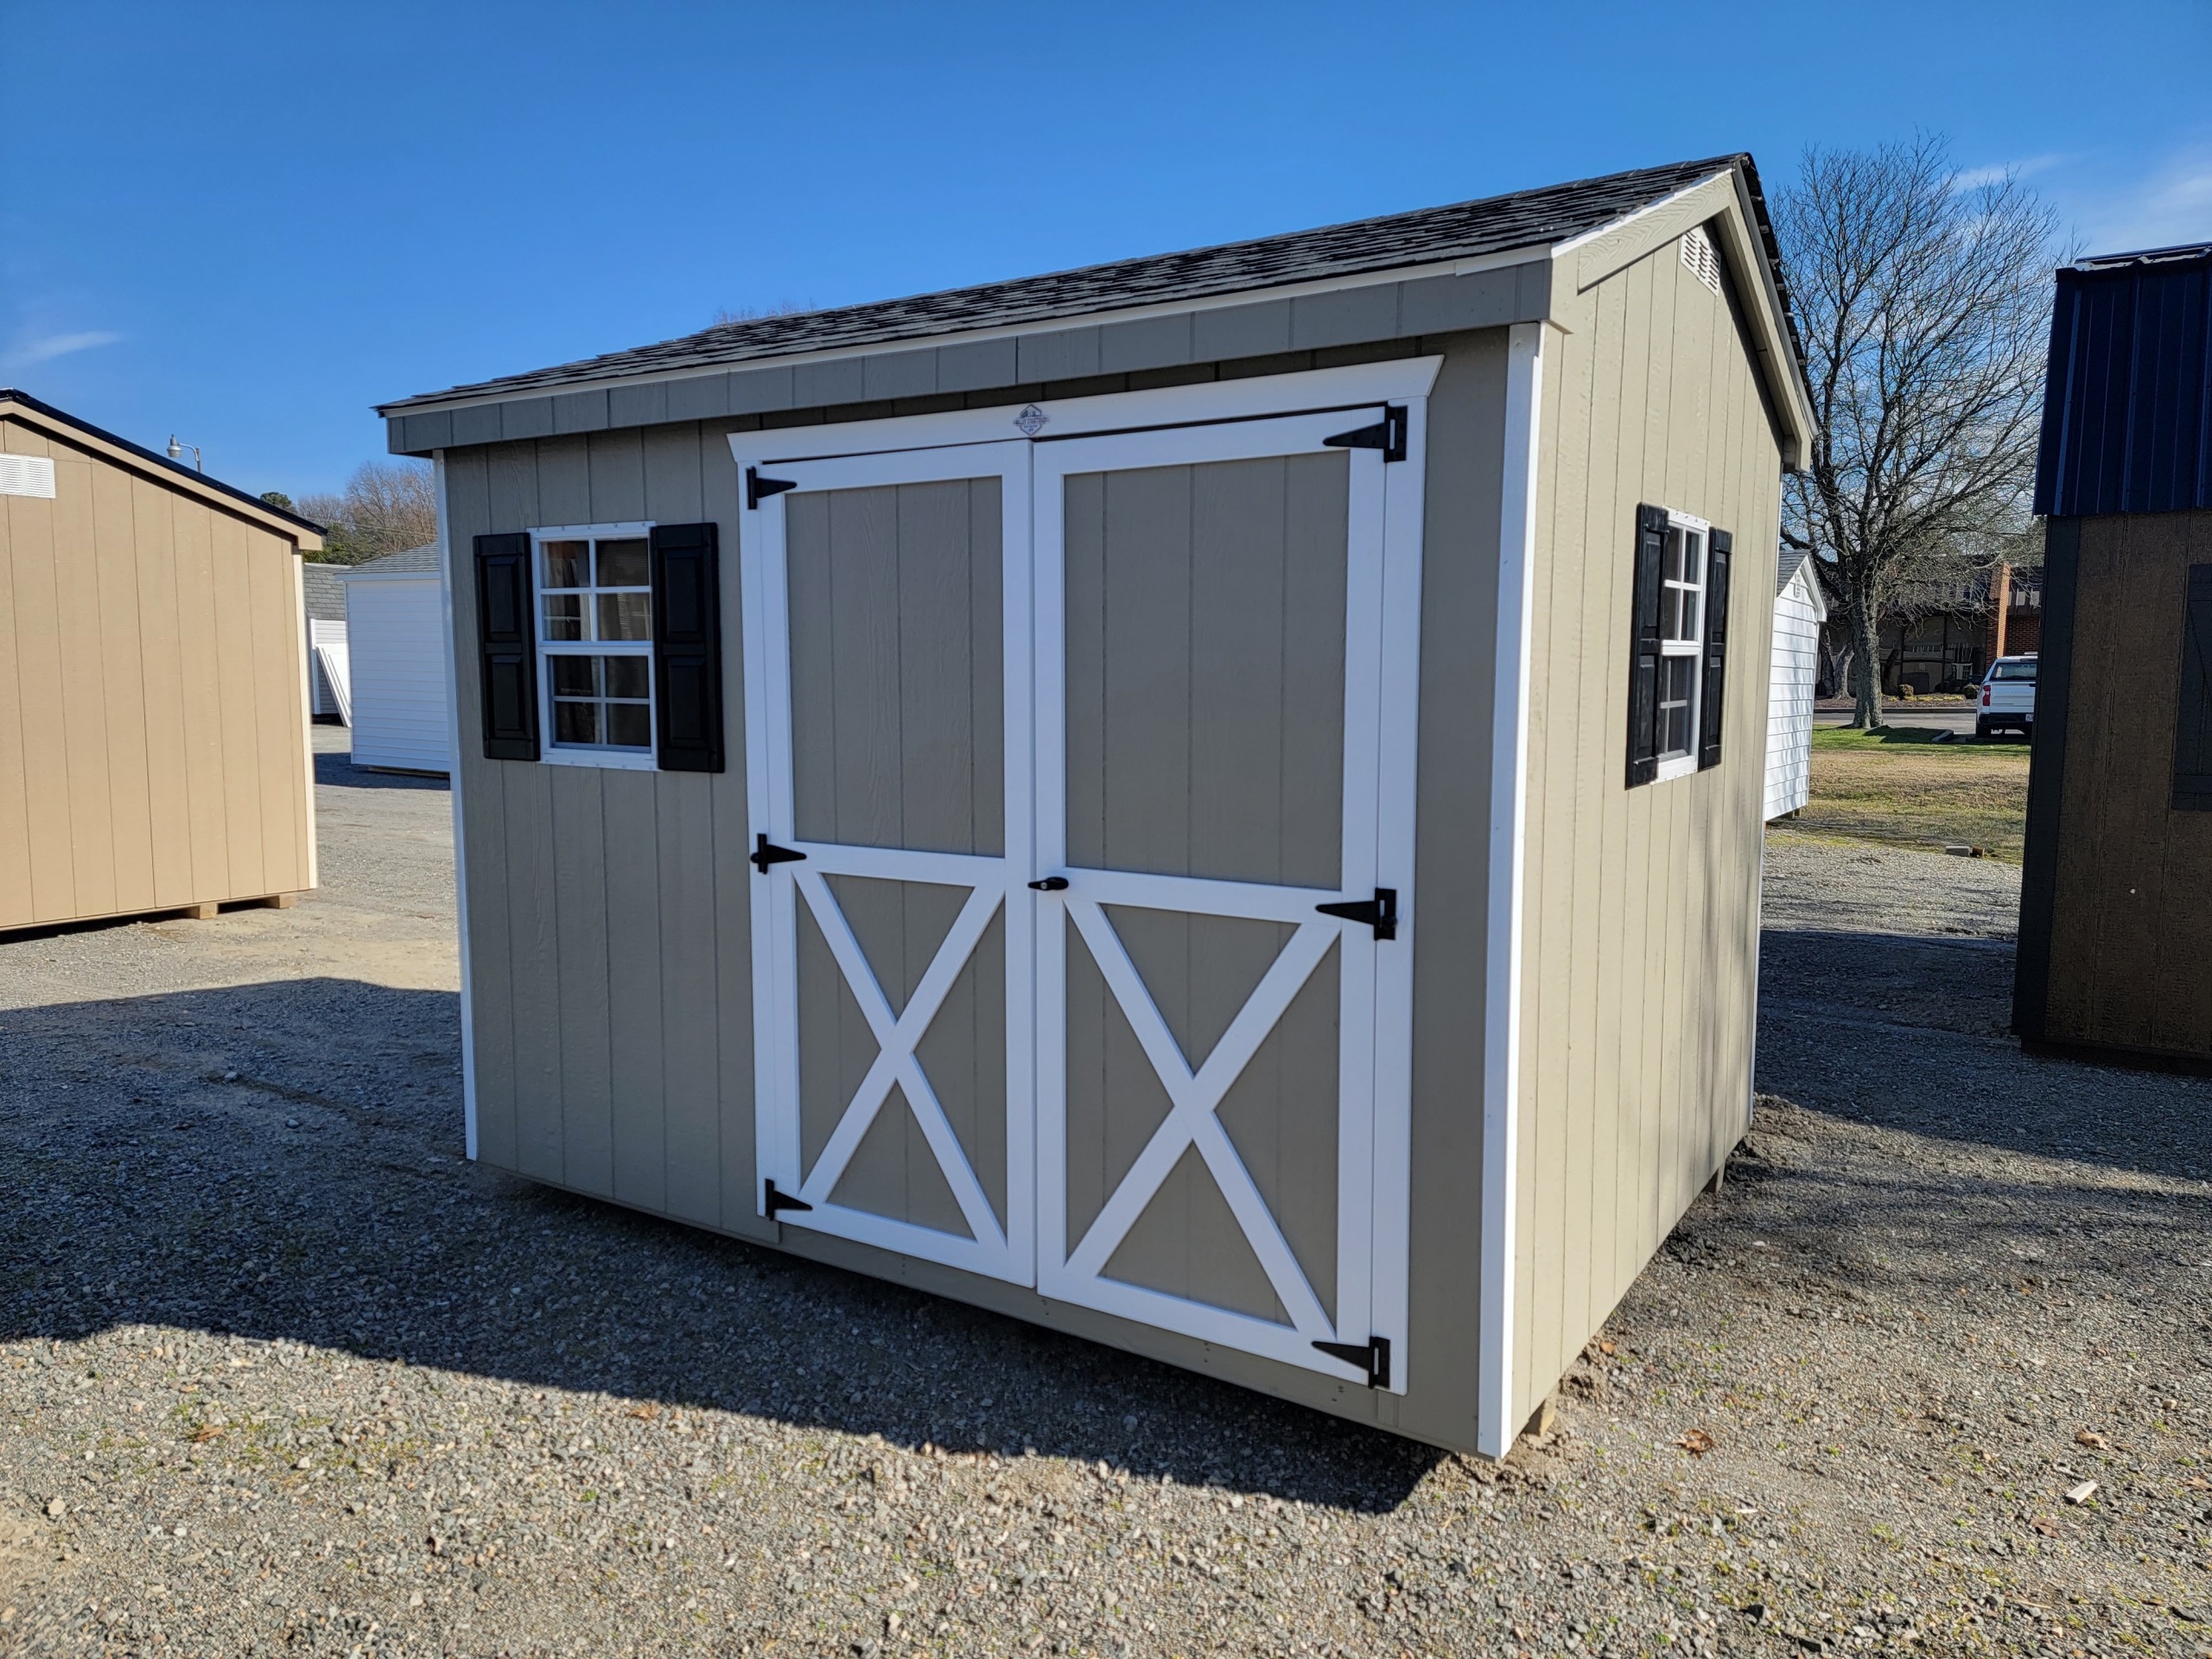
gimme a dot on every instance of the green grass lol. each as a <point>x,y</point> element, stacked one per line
<point>1900,787</point>
<point>1842,737</point>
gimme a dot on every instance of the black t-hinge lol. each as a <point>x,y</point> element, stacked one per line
<point>1380,913</point>
<point>765,852</point>
<point>775,1201</point>
<point>1372,1356</point>
<point>758,489</point>
<point>1387,434</point>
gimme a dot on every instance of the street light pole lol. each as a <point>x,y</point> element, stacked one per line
<point>176,453</point>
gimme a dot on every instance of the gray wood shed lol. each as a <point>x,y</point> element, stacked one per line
<point>1199,802</point>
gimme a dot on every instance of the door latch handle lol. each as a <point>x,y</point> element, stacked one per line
<point>1052,884</point>
<point>1380,913</point>
<point>765,852</point>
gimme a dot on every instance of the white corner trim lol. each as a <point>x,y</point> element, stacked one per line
<point>460,832</point>
<point>1517,543</point>
<point>1204,402</point>
<point>306,725</point>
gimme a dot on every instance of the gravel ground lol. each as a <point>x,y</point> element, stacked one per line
<point>280,1372</point>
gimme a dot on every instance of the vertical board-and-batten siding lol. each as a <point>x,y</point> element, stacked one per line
<point>2130,914</point>
<point>395,631</point>
<point>1640,953</point>
<point>153,753</point>
<point>611,997</point>
<point>609,915</point>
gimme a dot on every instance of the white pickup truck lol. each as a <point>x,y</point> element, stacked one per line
<point>2006,701</point>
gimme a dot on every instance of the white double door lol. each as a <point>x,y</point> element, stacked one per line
<point>1055,750</point>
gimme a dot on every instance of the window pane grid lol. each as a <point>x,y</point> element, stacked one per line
<point>596,592</point>
<point>1682,597</point>
<point>1681,634</point>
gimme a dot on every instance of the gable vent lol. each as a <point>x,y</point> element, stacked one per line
<point>1701,258</point>
<point>26,475</point>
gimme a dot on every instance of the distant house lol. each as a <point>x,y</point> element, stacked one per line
<point>1949,639</point>
<point>326,624</point>
<point>395,612</point>
<point>153,737</point>
<point>1799,611</point>
<point>2116,889</point>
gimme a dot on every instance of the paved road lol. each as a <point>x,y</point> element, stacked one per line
<point>1958,716</point>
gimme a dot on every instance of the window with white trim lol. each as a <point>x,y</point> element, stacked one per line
<point>596,640</point>
<point>1682,642</point>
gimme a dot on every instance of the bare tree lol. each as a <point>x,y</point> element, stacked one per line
<point>1925,299</point>
<point>388,506</point>
<point>725,314</point>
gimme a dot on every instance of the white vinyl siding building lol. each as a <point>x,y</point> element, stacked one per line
<point>395,639</point>
<point>1799,611</point>
<point>325,591</point>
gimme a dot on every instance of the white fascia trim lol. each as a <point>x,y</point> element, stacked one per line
<point>1516,546</point>
<point>1352,387</point>
<point>1472,265</point>
<point>1576,245</point>
<point>389,576</point>
<point>460,828</point>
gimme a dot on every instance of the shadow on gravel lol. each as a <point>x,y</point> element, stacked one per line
<point>1914,1033</point>
<point>335,769</point>
<point>319,1195</point>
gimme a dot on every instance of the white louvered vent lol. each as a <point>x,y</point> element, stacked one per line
<point>1702,258</point>
<point>26,475</point>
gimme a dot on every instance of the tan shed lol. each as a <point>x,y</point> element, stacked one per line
<point>1201,802</point>
<point>153,682</point>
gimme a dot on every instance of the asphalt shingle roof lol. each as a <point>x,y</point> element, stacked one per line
<point>1525,218</point>
<point>321,592</point>
<point>413,562</point>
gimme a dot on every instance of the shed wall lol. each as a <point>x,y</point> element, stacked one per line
<point>609,922</point>
<point>395,635</point>
<point>2116,919</point>
<point>153,748</point>
<point>1641,943</point>
<point>1794,666</point>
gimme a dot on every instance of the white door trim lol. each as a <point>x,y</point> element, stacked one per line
<point>992,881</point>
<point>1395,381</point>
<point>1382,615</point>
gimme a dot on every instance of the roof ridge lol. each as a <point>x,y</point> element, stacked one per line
<point>1460,229</point>
<point>17,395</point>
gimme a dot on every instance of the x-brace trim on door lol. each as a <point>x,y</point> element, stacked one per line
<point>1194,1098</point>
<point>897,1036</point>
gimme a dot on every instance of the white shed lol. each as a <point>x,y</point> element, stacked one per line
<point>325,620</point>
<point>1799,610</point>
<point>395,628</point>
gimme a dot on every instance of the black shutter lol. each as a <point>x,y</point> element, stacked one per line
<point>1643,647</point>
<point>1716,648</point>
<point>2193,718</point>
<point>508,645</point>
<point>688,646</point>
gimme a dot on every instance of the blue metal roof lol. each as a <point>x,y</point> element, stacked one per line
<point>2127,414</point>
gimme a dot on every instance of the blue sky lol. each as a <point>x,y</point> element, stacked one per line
<point>246,223</point>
